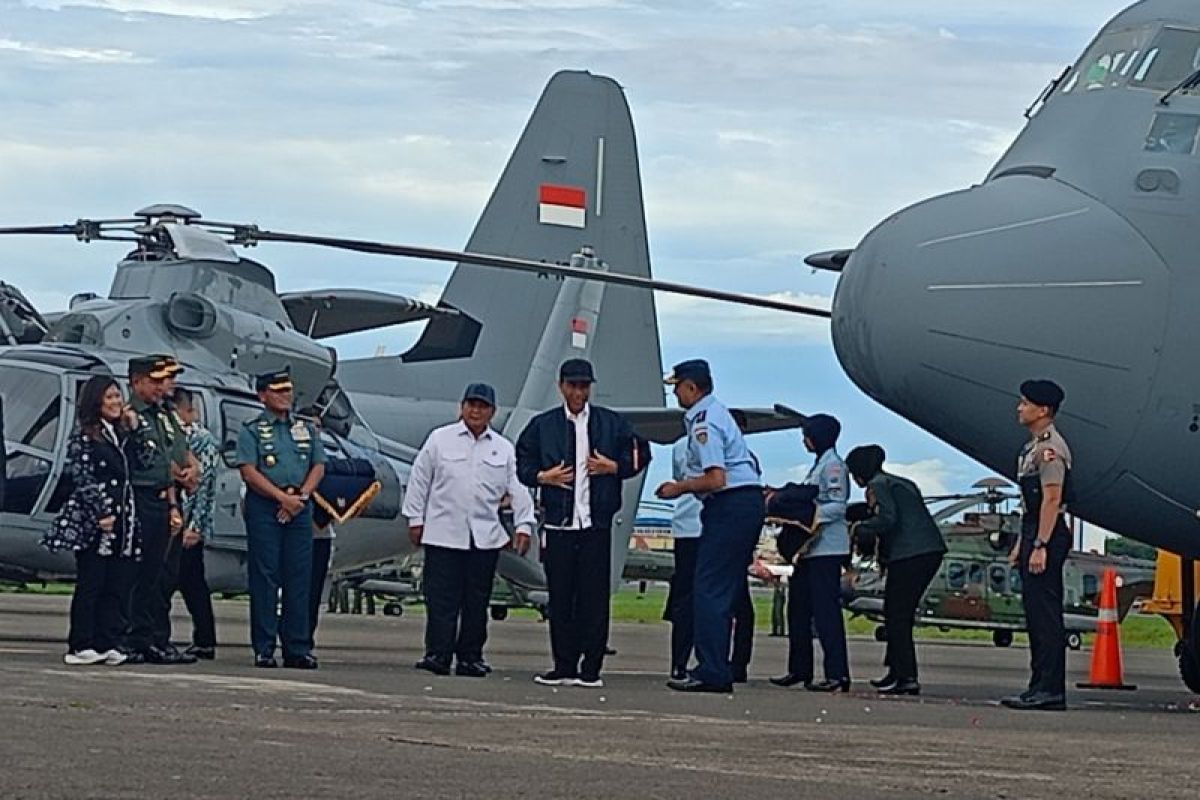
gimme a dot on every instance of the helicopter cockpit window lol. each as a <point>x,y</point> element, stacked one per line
<point>956,575</point>
<point>1172,56</point>
<point>32,409</point>
<point>1014,580</point>
<point>1091,588</point>
<point>1110,61</point>
<point>1173,133</point>
<point>234,416</point>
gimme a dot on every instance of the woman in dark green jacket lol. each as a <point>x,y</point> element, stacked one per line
<point>910,548</point>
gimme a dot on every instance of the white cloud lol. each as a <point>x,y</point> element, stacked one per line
<point>708,321</point>
<point>934,476</point>
<point>106,55</point>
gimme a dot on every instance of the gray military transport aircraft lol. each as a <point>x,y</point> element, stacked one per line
<point>571,190</point>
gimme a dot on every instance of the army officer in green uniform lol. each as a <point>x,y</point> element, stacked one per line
<point>282,461</point>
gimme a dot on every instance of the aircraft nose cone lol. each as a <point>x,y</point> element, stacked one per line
<point>946,307</point>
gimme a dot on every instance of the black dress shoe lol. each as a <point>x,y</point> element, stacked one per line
<point>1037,701</point>
<point>901,687</point>
<point>300,662</point>
<point>164,656</point>
<point>134,657</point>
<point>740,676</point>
<point>693,685</point>
<point>265,662</point>
<point>181,657</point>
<point>205,653</point>
<point>790,679</point>
<point>471,669</point>
<point>433,664</point>
<point>829,686</point>
<point>678,674</point>
<point>886,680</point>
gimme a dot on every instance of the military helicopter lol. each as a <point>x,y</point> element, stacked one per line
<point>571,191</point>
<point>977,589</point>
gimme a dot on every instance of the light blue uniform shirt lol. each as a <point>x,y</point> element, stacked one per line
<point>714,440</point>
<point>685,520</point>
<point>830,477</point>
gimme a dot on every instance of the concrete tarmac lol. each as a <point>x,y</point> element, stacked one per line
<point>367,725</point>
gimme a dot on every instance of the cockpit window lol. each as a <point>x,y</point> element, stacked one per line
<point>1172,56</point>
<point>1109,62</point>
<point>1173,133</point>
<point>31,407</point>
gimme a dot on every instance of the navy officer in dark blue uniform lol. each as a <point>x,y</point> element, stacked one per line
<point>729,485</point>
<point>282,461</point>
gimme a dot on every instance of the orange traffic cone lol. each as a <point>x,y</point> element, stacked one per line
<point>1107,672</point>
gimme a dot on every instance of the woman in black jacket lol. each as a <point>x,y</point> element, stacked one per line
<point>910,549</point>
<point>98,523</point>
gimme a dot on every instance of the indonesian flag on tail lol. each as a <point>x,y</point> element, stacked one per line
<point>562,205</point>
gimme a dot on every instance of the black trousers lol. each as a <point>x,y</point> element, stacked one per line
<point>150,618</point>
<point>321,549</point>
<point>183,570</point>
<point>814,601</point>
<point>907,580</point>
<point>458,587</point>
<point>1042,596</point>
<point>100,605</point>
<point>680,611</point>
<point>578,569</point>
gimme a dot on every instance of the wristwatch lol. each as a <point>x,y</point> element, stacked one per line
<point>1038,544</point>
<point>304,496</point>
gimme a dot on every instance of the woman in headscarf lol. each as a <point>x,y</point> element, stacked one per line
<point>814,592</point>
<point>910,550</point>
<point>97,522</point>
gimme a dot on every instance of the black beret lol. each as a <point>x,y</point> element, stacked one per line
<point>1043,393</point>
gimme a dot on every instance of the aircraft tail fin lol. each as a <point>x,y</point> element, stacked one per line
<point>572,183</point>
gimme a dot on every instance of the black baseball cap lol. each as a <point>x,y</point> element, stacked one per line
<point>576,370</point>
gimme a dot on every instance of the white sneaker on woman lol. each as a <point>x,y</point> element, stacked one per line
<point>84,658</point>
<point>115,658</point>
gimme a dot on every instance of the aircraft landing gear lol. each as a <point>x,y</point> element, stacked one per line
<point>393,609</point>
<point>499,613</point>
<point>880,633</point>
<point>1074,640</point>
<point>1002,638</point>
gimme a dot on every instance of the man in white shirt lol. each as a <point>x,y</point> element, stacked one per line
<point>452,504</point>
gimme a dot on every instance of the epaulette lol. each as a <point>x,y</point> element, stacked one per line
<point>1044,436</point>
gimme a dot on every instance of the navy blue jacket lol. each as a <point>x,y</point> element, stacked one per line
<point>549,439</point>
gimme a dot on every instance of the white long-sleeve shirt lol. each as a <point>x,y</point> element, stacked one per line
<point>456,485</point>
<point>582,519</point>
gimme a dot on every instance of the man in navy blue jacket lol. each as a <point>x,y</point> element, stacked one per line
<point>576,456</point>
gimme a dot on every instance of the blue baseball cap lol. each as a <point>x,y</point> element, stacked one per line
<point>692,370</point>
<point>482,392</point>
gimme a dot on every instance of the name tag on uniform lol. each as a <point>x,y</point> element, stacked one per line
<point>300,432</point>
<point>270,460</point>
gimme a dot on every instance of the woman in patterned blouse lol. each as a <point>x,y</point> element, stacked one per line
<point>98,523</point>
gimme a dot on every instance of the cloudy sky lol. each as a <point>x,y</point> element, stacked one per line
<point>768,129</point>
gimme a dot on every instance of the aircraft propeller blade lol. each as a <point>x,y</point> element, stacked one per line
<point>830,260</point>
<point>251,236</point>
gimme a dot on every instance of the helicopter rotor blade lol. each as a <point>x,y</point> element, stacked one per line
<point>249,236</point>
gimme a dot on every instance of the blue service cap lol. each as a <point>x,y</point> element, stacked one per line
<point>482,392</point>
<point>692,370</point>
<point>277,380</point>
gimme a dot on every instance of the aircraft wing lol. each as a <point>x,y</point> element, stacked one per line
<point>665,425</point>
<point>322,313</point>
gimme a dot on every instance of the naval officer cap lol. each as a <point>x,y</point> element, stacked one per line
<point>279,380</point>
<point>482,392</point>
<point>173,366</point>
<point>694,370</point>
<point>576,370</point>
<point>154,367</point>
<point>1043,393</point>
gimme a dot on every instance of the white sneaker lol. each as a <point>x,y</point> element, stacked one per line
<point>83,658</point>
<point>115,658</point>
<point>590,683</point>
<point>554,678</point>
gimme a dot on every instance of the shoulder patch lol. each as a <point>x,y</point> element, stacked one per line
<point>700,417</point>
<point>1049,455</point>
<point>702,436</point>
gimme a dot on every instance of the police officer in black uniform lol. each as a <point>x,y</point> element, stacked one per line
<point>282,461</point>
<point>1044,473</point>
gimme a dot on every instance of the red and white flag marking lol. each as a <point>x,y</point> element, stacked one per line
<point>562,205</point>
<point>579,333</point>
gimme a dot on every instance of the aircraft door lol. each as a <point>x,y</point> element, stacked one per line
<point>1003,602</point>
<point>228,528</point>
<point>33,411</point>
